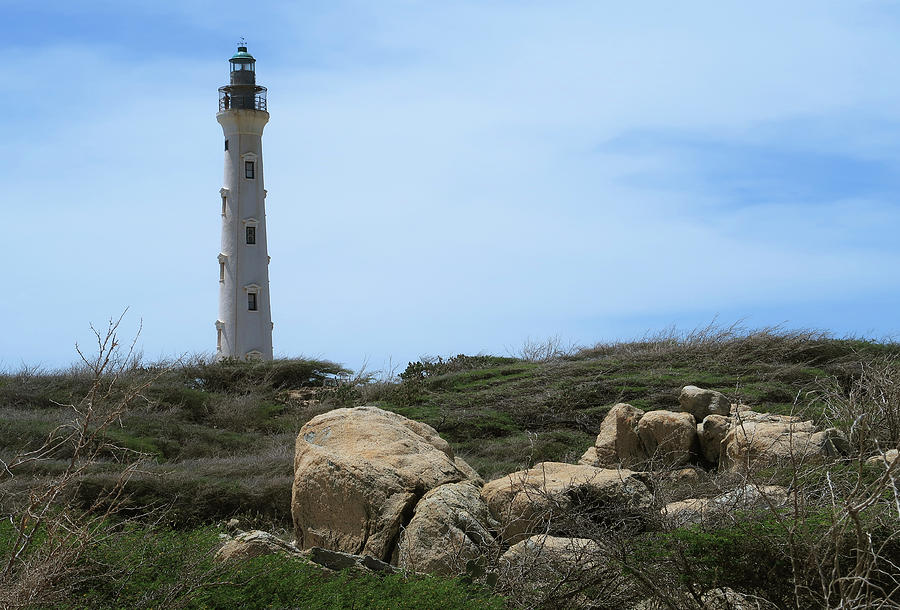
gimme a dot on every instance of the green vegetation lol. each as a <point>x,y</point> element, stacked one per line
<point>484,405</point>
<point>220,435</point>
<point>135,566</point>
<point>215,440</point>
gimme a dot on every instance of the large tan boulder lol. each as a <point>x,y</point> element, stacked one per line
<point>668,437</point>
<point>618,441</point>
<point>711,432</point>
<point>529,501</point>
<point>451,525</point>
<point>358,474</point>
<point>700,403</point>
<point>757,439</point>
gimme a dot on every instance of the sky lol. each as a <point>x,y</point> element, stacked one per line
<point>453,177</point>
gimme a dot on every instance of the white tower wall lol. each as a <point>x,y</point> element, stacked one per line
<point>244,268</point>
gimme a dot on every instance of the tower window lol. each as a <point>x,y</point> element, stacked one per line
<point>249,170</point>
<point>226,144</point>
<point>218,339</point>
<point>221,271</point>
<point>251,235</point>
<point>251,301</point>
<point>224,201</point>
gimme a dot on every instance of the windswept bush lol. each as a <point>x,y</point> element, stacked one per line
<point>240,376</point>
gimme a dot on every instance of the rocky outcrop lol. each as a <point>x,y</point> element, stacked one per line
<point>700,403</point>
<point>256,543</point>
<point>727,435</point>
<point>631,438</point>
<point>618,441</point>
<point>525,502</point>
<point>667,437</point>
<point>358,475</point>
<point>451,525</point>
<point>756,439</point>
<point>710,433</point>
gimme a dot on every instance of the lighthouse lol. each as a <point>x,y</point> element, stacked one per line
<point>244,325</point>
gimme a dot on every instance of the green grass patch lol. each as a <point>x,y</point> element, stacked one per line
<point>131,566</point>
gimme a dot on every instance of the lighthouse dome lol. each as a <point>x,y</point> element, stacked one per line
<point>243,54</point>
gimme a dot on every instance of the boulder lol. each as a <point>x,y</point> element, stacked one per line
<point>884,460</point>
<point>700,403</point>
<point>553,572</point>
<point>756,439</point>
<point>668,437</point>
<point>544,549</point>
<point>358,474</point>
<point>752,496</point>
<point>618,441</point>
<point>685,512</point>
<point>749,497</point>
<point>544,557</point>
<point>710,433</point>
<point>451,524</point>
<point>525,502</point>
<point>256,543</point>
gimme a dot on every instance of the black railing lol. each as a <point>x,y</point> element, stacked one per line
<point>234,98</point>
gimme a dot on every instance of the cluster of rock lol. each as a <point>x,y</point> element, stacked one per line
<point>706,427</point>
<point>373,483</point>
<point>375,490</point>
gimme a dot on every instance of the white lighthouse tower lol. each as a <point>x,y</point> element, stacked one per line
<point>244,326</point>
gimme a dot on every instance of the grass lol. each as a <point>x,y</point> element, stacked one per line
<point>163,567</point>
<point>224,432</point>
<point>218,441</point>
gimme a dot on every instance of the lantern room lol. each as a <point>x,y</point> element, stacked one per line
<point>242,92</point>
<point>243,68</point>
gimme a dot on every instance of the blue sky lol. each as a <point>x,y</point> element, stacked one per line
<point>450,177</point>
